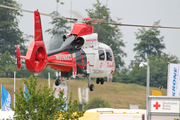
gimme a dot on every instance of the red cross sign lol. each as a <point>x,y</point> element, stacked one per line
<point>156,105</point>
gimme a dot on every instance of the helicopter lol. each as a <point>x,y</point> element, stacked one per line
<point>80,54</point>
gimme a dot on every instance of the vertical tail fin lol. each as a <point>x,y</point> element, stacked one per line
<point>37,31</point>
<point>36,57</point>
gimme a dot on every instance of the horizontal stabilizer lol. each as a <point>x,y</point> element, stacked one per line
<point>18,54</point>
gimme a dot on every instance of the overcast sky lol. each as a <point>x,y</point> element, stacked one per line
<point>143,12</point>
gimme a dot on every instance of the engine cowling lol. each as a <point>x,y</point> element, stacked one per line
<point>36,57</point>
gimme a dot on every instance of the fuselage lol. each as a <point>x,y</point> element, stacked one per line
<point>92,57</point>
<point>80,55</point>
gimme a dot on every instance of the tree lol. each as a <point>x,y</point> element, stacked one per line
<point>124,76</point>
<point>59,29</point>
<point>110,35</point>
<point>6,58</point>
<point>150,43</point>
<point>5,61</point>
<point>158,71</point>
<point>44,73</point>
<point>151,46</point>
<point>8,62</point>
<point>10,34</point>
<point>138,75</point>
<point>47,106</point>
<point>98,103</point>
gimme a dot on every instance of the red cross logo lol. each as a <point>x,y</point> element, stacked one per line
<point>156,105</point>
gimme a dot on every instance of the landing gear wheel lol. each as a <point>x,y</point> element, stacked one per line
<point>57,82</point>
<point>91,87</point>
<point>102,81</point>
<point>97,81</point>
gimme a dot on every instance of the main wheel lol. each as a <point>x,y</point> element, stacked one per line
<point>57,82</point>
<point>102,81</point>
<point>91,87</point>
<point>97,81</point>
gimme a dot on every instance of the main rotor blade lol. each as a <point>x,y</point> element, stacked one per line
<point>76,14</point>
<point>49,15</point>
<point>131,25</point>
<point>101,22</point>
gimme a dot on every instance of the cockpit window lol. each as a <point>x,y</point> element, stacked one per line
<point>101,55</point>
<point>108,55</point>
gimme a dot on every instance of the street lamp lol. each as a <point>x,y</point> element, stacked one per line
<point>141,65</point>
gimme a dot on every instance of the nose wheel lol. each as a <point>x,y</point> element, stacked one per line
<point>91,87</point>
<point>57,82</point>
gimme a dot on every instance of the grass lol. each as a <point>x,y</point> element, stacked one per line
<point>118,95</point>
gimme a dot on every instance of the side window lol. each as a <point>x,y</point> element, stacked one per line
<point>101,55</point>
<point>108,55</point>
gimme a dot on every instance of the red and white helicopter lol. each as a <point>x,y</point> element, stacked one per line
<point>81,54</point>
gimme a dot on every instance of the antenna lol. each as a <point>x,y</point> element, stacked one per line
<point>106,2</point>
<point>71,15</point>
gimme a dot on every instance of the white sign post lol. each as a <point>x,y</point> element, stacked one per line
<point>83,94</point>
<point>14,87</point>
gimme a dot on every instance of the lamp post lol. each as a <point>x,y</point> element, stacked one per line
<point>147,84</point>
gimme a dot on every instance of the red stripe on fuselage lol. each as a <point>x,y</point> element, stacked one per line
<point>81,66</point>
<point>61,61</point>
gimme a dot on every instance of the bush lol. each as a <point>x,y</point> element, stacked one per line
<point>41,104</point>
<point>98,103</point>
